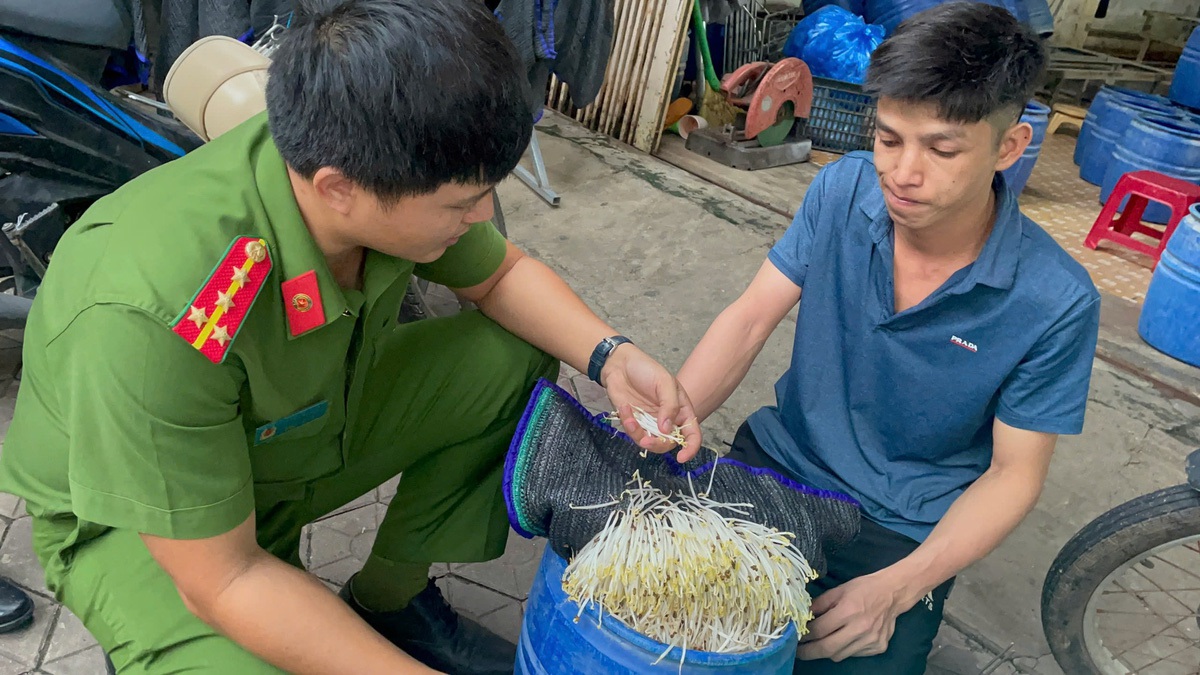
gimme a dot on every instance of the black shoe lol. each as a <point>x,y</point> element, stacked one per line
<point>430,631</point>
<point>16,607</point>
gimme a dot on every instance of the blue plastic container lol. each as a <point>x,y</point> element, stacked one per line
<point>1100,102</point>
<point>1016,176</point>
<point>1170,320</point>
<point>1187,114</point>
<point>890,13</point>
<point>552,643</point>
<point>1168,145</point>
<point>856,6</point>
<point>1041,20</point>
<point>1111,123</point>
<point>1185,84</point>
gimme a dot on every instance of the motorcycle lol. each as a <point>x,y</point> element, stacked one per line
<point>1123,595</point>
<point>66,141</point>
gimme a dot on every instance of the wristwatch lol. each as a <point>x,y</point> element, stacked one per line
<point>600,355</point>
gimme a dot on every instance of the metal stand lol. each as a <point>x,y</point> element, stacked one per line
<point>728,146</point>
<point>541,183</point>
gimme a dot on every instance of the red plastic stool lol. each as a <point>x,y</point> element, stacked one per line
<point>1141,187</point>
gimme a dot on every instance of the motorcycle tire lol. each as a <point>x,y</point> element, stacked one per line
<point>1123,536</point>
<point>423,300</point>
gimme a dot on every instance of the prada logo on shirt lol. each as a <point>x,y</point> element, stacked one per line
<point>969,346</point>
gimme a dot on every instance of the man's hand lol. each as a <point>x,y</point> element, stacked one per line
<point>632,378</point>
<point>854,619</point>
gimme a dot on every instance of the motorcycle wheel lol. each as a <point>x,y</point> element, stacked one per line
<point>423,300</point>
<point>1123,595</point>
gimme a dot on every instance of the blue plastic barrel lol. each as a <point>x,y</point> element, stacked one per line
<point>1101,101</point>
<point>1168,145</point>
<point>1170,320</point>
<point>1038,116</point>
<point>890,13</point>
<point>1041,20</point>
<point>1185,84</point>
<point>1187,114</point>
<point>855,6</point>
<point>552,643</point>
<point>1111,123</point>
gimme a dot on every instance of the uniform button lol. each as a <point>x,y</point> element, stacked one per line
<point>256,251</point>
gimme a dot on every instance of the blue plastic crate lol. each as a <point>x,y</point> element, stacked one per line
<point>842,118</point>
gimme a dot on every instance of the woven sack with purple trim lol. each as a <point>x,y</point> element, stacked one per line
<point>562,456</point>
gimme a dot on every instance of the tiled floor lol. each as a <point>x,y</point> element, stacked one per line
<point>1066,205</point>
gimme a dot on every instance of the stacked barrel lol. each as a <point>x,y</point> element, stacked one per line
<point>1172,309</point>
<point>1185,84</point>
<point>1127,130</point>
<point>1038,116</point>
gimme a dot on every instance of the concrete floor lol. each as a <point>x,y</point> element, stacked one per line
<point>658,253</point>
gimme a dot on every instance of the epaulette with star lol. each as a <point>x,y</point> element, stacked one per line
<point>212,319</point>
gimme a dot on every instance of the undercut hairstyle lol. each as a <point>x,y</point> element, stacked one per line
<point>972,60</point>
<point>400,96</point>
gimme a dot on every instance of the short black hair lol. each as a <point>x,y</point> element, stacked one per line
<point>401,96</point>
<point>970,59</point>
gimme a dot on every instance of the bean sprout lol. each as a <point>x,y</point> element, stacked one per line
<point>679,571</point>
<point>650,424</point>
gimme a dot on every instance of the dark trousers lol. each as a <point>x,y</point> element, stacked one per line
<point>875,548</point>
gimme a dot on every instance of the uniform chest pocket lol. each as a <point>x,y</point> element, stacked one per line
<point>300,424</point>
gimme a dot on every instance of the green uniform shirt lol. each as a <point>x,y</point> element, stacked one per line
<point>122,423</point>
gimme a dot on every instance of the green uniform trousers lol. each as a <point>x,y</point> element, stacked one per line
<point>440,406</point>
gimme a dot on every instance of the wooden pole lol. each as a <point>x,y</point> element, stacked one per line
<point>664,59</point>
<point>1071,19</point>
<point>610,69</point>
<point>629,118</point>
<point>628,33</point>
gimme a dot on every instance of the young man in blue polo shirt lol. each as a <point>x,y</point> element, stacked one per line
<point>942,343</point>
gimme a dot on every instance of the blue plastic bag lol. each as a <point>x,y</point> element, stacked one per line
<point>835,43</point>
<point>812,25</point>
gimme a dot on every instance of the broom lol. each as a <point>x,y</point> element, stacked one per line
<point>714,107</point>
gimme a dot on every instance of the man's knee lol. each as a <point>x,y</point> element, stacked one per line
<point>906,655</point>
<point>208,655</point>
<point>519,362</point>
<point>130,605</point>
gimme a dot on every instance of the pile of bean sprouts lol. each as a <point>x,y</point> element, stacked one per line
<point>678,570</point>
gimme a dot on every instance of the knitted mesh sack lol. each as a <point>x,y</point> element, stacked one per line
<point>563,456</point>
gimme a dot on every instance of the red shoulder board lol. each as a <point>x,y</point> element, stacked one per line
<point>211,320</point>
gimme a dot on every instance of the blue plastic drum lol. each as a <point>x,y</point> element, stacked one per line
<point>552,643</point>
<point>1170,320</point>
<point>1185,83</point>
<point>1038,116</point>
<point>1167,144</point>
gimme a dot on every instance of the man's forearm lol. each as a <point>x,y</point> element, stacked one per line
<point>976,523</point>
<point>286,617</point>
<point>721,360</point>
<point>536,305</point>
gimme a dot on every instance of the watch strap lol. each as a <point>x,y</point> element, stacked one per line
<point>600,355</point>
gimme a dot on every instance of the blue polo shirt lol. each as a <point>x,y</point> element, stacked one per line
<point>896,409</point>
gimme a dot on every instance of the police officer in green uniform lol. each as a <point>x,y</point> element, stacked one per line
<point>214,361</point>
